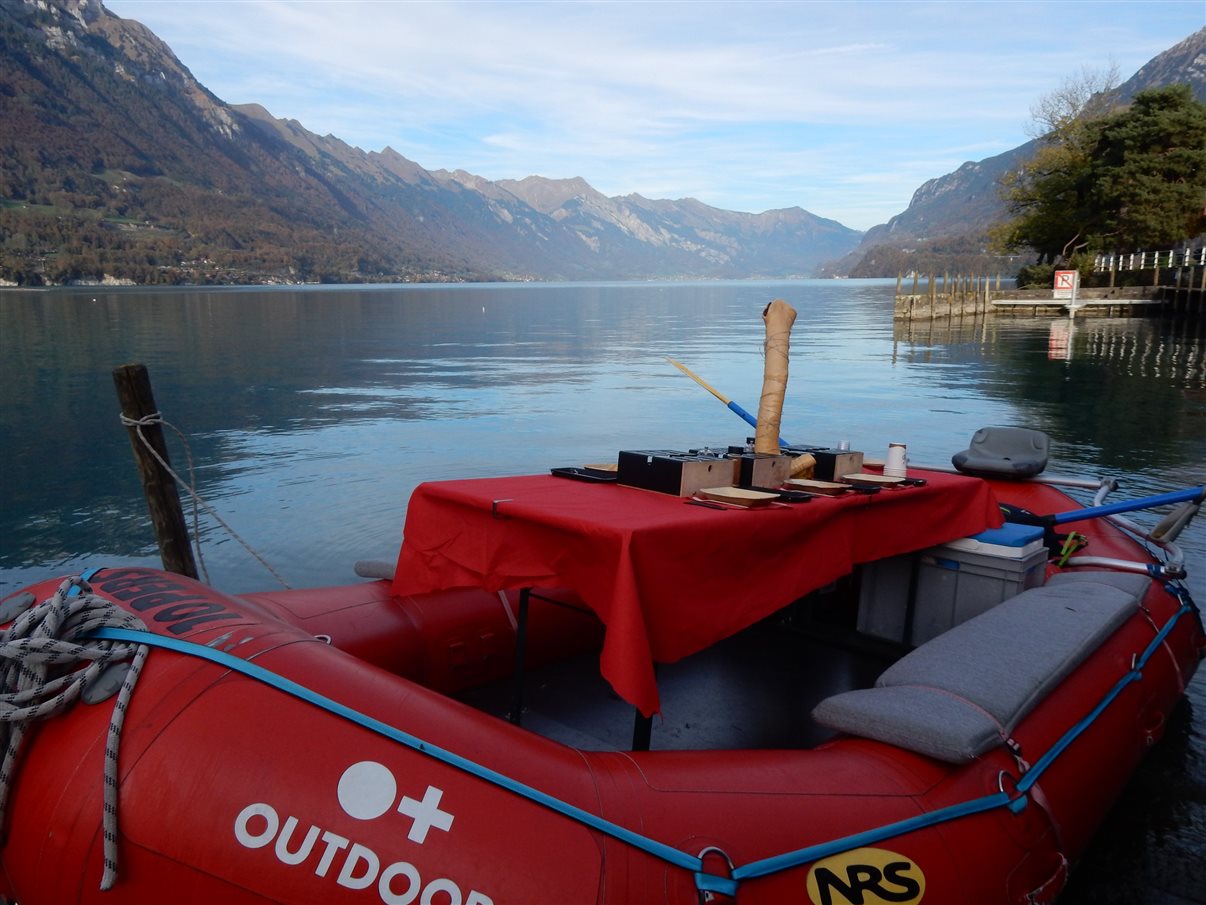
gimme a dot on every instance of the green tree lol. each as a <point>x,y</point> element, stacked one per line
<point>1048,200</point>
<point>1149,171</point>
<point>1127,181</point>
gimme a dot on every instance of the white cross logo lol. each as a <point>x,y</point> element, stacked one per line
<point>425,813</point>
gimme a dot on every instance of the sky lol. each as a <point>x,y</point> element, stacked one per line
<point>841,107</point>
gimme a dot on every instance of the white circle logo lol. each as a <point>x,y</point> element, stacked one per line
<point>367,790</point>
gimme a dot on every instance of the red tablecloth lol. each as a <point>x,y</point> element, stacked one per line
<point>666,578</point>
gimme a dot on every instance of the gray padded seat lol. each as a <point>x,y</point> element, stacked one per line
<point>1004,452</point>
<point>1131,582</point>
<point>962,693</point>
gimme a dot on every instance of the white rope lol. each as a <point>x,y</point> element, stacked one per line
<point>190,486</point>
<point>43,672</point>
<point>138,424</point>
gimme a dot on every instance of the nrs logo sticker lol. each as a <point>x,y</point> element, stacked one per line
<point>865,876</point>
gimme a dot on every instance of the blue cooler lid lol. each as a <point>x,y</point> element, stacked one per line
<point>1010,535</point>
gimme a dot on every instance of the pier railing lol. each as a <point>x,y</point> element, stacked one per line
<point>1150,260</point>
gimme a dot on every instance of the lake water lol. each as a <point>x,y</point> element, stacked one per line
<point>311,413</point>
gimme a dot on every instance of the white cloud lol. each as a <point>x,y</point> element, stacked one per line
<point>838,107</point>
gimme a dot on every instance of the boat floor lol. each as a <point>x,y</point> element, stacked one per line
<point>755,690</point>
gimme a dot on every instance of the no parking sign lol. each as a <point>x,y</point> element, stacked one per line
<point>1066,282</point>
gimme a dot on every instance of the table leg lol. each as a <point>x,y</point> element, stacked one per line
<point>911,600</point>
<point>521,643</point>
<point>642,731</point>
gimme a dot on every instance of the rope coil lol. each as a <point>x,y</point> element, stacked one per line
<point>44,670</point>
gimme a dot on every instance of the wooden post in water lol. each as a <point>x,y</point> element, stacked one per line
<point>138,402</point>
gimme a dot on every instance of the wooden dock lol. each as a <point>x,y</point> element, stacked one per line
<point>944,297</point>
<point>1107,307</point>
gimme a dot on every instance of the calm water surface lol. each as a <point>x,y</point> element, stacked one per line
<point>312,413</point>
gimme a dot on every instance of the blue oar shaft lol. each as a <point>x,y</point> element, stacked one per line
<point>750,419</point>
<point>733,406</point>
<point>1189,494</point>
<point>743,414</point>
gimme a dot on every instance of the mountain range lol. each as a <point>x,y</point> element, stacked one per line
<point>116,163</point>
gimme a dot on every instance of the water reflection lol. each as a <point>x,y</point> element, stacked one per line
<point>313,412</point>
<point>1172,352</point>
<point>1059,339</point>
<point>1120,394</point>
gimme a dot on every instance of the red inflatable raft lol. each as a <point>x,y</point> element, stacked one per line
<point>351,744</point>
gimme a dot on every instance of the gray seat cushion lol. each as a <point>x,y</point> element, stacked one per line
<point>926,720</point>
<point>1131,582</point>
<point>962,693</point>
<point>1004,452</point>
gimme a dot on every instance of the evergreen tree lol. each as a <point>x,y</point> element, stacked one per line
<point>1149,171</point>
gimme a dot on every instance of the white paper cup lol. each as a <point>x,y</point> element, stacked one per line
<point>895,464</point>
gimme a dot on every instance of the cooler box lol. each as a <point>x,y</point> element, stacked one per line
<point>965,577</point>
<point>954,582</point>
<point>883,602</point>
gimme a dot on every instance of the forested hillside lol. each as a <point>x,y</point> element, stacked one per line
<point>115,162</point>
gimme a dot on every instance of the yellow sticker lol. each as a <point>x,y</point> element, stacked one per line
<point>865,876</point>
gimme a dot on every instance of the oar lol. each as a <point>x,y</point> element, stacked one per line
<point>1188,495</point>
<point>733,406</point>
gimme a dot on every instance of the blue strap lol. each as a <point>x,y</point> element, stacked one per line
<point>85,576</point>
<point>255,671</point>
<point>869,837</point>
<point>705,882</point>
<point>1178,590</point>
<point>976,806</point>
<point>712,883</point>
<point>1135,675</point>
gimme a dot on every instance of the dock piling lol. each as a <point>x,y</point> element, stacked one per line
<point>163,501</point>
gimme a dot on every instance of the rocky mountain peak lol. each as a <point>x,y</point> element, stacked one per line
<point>85,29</point>
<point>547,195</point>
<point>1183,63</point>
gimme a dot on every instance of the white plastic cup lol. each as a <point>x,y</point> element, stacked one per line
<point>897,461</point>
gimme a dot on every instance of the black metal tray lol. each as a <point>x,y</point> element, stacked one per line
<point>787,496</point>
<point>585,474</point>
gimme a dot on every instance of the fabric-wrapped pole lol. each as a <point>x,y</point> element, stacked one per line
<point>779,317</point>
